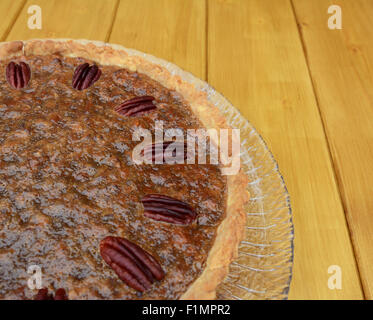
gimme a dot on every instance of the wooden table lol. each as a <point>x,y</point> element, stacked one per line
<point>306,88</point>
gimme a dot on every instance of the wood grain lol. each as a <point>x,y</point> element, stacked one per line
<point>170,29</point>
<point>9,10</point>
<point>85,19</point>
<point>341,64</point>
<point>256,60</point>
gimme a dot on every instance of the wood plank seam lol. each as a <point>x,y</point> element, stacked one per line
<point>172,30</point>
<point>206,40</point>
<point>7,31</point>
<point>115,11</point>
<point>330,156</point>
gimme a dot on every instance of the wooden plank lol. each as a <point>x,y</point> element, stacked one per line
<point>9,11</point>
<point>255,58</point>
<point>341,67</point>
<point>170,29</point>
<point>83,19</point>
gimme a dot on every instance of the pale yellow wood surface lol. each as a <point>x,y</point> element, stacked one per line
<point>9,10</point>
<point>256,60</point>
<point>170,29</point>
<point>341,64</point>
<point>68,18</point>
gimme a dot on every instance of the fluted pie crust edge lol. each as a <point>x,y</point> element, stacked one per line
<point>232,228</point>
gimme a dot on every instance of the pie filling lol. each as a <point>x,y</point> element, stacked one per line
<point>70,191</point>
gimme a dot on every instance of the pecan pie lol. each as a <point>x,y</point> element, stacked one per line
<point>75,203</point>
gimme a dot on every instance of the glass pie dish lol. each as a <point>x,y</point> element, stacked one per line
<point>262,269</point>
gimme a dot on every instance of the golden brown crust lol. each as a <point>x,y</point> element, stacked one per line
<point>231,230</point>
<point>11,49</point>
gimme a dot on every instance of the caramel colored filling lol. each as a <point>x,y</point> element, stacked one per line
<point>67,180</point>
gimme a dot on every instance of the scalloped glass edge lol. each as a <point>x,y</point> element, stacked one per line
<point>263,267</point>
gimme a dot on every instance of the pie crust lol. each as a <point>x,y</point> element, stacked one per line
<point>231,230</point>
